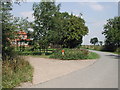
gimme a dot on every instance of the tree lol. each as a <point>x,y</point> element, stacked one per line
<point>56,27</point>
<point>9,27</point>
<point>73,30</point>
<point>94,40</point>
<point>7,30</point>
<point>112,32</point>
<point>44,24</point>
<point>22,24</point>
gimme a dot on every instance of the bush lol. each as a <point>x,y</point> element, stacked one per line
<point>71,54</point>
<point>15,72</point>
<point>109,48</point>
<point>8,53</point>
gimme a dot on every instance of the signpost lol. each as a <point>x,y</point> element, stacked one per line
<point>63,52</point>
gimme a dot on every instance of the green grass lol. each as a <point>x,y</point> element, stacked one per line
<point>15,72</point>
<point>93,55</point>
<point>117,53</point>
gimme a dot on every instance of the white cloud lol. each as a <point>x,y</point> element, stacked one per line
<point>93,5</point>
<point>28,14</point>
<point>96,6</point>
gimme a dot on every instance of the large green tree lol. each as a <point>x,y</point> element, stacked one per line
<point>55,27</point>
<point>43,13</point>
<point>57,34</point>
<point>69,30</point>
<point>74,30</point>
<point>112,33</point>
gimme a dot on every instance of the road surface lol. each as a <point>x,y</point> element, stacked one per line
<point>102,74</point>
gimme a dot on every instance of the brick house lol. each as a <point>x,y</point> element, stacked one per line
<point>21,39</point>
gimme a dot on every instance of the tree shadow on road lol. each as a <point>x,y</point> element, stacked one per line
<point>114,56</point>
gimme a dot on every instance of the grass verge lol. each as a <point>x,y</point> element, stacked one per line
<point>15,72</point>
<point>93,55</point>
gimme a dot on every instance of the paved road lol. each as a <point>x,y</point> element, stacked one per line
<point>102,74</point>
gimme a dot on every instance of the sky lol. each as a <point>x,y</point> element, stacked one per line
<point>94,13</point>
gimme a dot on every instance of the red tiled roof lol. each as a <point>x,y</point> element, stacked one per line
<point>23,39</point>
<point>27,39</point>
<point>21,32</point>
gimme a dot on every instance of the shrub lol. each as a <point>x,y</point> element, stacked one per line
<point>15,72</point>
<point>109,48</point>
<point>71,54</point>
<point>9,53</point>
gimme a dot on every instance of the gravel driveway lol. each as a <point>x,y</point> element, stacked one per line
<point>47,69</point>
